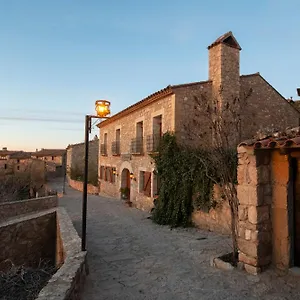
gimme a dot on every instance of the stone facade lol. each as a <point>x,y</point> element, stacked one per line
<point>16,208</point>
<point>247,103</point>
<point>134,163</point>
<point>76,153</point>
<point>78,185</point>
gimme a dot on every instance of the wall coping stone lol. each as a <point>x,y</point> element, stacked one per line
<point>63,282</point>
<point>24,218</point>
<point>28,206</point>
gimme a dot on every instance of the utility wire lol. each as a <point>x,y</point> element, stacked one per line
<point>40,119</point>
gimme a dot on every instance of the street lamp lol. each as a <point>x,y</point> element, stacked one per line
<point>102,108</point>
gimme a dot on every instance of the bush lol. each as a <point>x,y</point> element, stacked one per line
<point>77,173</point>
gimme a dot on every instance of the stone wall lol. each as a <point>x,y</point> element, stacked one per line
<point>265,109</point>
<point>76,153</point>
<point>12,209</point>
<point>218,219</point>
<point>78,185</point>
<point>47,235</point>
<point>67,282</point>
<point>255,206</point>
<point>28,239</point>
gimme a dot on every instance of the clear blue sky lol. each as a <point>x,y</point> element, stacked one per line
<point>58,56</point>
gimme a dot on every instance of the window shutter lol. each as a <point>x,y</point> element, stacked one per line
<point>147,184</point>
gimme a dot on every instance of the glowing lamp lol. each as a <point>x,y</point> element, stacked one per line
<point>102,108</point>
<point>132,176</point>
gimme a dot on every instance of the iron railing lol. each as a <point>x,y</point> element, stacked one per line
<point>153,142</point>
<point>136,146</point>
<point>115,148</point>
<point>103,149</point>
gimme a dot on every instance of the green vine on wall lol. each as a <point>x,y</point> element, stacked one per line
<point>186,180</point>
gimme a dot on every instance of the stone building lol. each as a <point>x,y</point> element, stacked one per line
<point>75,157</point>
<point>55,159</point>
<point>246,104</point>
<point>269,202</point>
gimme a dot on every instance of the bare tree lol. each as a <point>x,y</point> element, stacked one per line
<point>22,184</point>
<point>220,139</point>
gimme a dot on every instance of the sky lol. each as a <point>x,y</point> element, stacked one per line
<point>58,56</point>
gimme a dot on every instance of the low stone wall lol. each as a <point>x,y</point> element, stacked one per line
<point>16,208</point>
<point>67,282</point>
<point>47,235</point>
<point>78,185</point>
<point>28,239</point>
<point>218,219</point>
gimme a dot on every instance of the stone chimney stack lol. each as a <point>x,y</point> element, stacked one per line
<point>224,72</point>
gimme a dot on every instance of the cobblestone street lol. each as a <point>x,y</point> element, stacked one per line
<point>129,257</point>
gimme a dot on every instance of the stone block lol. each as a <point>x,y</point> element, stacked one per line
<point>261,236</point>
<point>246,259</point>
<point>252,174</point>
<point>258,214</point>
<point>247,234</point>
<point>252,270</point>
<point>243,212</point>
<point>247,194</point>
<point>220,264</point>
<point>264,174</point>
<point>247,247</point>
<point>267,189</point>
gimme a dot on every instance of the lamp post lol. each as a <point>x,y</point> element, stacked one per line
<point>102,108</point>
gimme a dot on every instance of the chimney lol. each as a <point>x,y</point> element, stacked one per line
<point>224,62</point>
<point>224,72</point>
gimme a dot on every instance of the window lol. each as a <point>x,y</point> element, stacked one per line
<point>18,160</point>
<point>104,145</point>
<point>137,143</point>
<point>52,157</point>
<point>157,126</point>
<point>102,172</point>
<point>18,167</point>
<point>139,130</point>
<point>108,174</point>
<point>5,166</point>
<point>116,144</point>
<point>145,183</point>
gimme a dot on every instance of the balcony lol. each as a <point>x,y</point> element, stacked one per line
<point>153,142</point>
<point>136,146</point>
<point>103,149</point>
<point>115,148</point>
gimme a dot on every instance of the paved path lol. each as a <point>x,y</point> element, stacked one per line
<point>132,258</point>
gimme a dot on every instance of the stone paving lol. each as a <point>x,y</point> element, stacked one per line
<point>131,258</point>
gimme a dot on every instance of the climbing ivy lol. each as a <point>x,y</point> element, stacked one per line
<point>186,181</point>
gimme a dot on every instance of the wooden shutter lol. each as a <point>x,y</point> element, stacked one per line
<point>147,184</point>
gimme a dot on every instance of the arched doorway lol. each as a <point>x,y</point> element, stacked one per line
<point>125,184</point>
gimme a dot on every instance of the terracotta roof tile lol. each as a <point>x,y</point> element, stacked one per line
<point>20,155</point>
<point>288,139</point>
<point>49,152</point>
